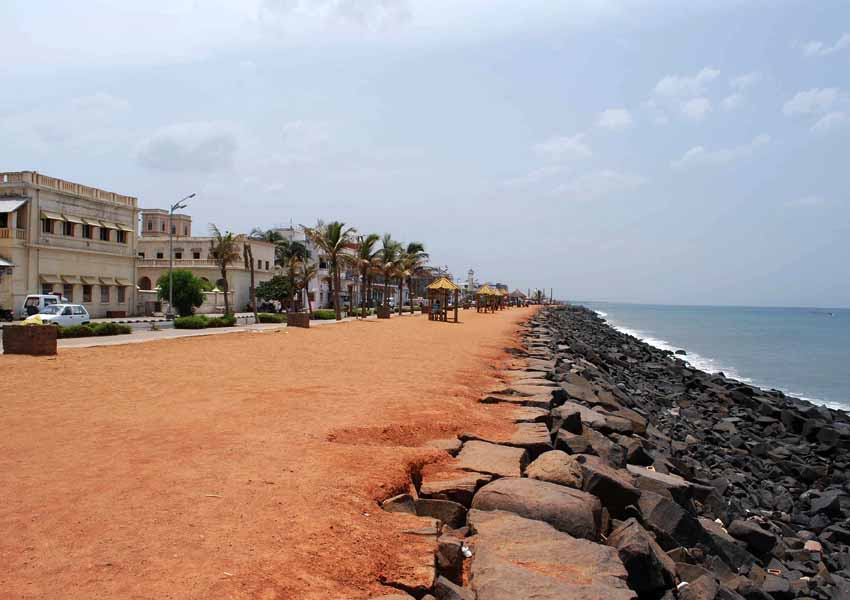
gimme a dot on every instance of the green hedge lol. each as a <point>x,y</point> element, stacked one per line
<point>204,322</point>
<point>272,317</point>
<point>324,314</point>
<point>357,311</point>
<point>93,329</point>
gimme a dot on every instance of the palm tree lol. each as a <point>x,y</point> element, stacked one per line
<point>389,262</point>
<point>365,260</point>
<point>413,259</point>
<point>284,248</point>
<point>225,248</point>
<point>333,239</point>
<point>308,272</point>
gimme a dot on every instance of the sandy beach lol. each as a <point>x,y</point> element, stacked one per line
<point>238,466</point>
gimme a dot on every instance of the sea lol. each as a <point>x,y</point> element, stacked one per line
<point>804,352</point>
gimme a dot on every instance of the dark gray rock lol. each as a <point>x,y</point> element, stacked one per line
<point>558,467</point>
<point>757,539</point>
<point>669,521</point>
<point>650,569</point>
<point>458,488</point>
<point>493,459</point>
<point>614,487</point>
<point>445,511</point>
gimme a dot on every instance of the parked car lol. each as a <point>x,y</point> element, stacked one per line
<point>35,303</point>
<point>65,315</point>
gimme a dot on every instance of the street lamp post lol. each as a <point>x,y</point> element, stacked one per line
<point>169,316</point>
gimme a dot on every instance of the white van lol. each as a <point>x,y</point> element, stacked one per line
<point>35,303</point>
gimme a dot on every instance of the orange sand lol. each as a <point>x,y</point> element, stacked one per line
<point>236,466</point>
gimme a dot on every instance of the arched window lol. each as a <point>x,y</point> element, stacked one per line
<point>144,283</point>
<point>220,284</point>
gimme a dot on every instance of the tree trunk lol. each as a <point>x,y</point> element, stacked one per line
<point>410,292</point>
<point>336,282</point>
<point>249,258</point>
<point>363,295</point>
<point>226,290</point>
<point>400,294</point>
<point>386,291</point>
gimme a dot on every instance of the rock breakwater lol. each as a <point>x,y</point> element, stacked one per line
<point>632,475</point>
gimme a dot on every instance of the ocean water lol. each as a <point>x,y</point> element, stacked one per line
<point>805,352</point>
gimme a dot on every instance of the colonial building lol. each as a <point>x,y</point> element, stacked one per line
<point>62,237</point>
<point>193,253</point>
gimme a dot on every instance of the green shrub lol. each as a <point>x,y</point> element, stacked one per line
<point>324,314</point>
<point>188,291</point>
<point>111,329</point>
<point>225,321</point>
<point>193,322</point>
<point>272,318</point>
<point>93,329</point>
<point>358,311</point>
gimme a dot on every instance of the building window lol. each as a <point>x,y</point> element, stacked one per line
<point>178,256</point>
<point>162,226</point>
<point>68,229</point>
<point>46,226</point>
<point>259,264</point>
<point>122,236</point>
<point>150,225</point>
<point>4,220</point>
<point>87,232</point>
<point>141,254</point>
<point>196,255</point>
<point>160,255</point>
<point>68,291</point>
<point>185,230</point>
<point>86,293</point>
<point>47,289</point>
<point>323,264</point>
<point>104,234</point>
<point>267,265</point>
<point>173,229</point>
<point>122,294</point>
<point>104,294</point>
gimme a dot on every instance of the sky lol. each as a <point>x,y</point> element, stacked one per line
<point>639,151</point>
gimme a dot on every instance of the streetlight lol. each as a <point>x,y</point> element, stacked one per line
<point>169,316</point>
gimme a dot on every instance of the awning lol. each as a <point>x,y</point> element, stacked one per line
<point>45,278</point>
<point>88,221</point>
<point>46,214</point>
<point>73,219</point>
<point>89,280</point>
<point>8,205</point>
<point>5,263</point>
<point>109,225</point>
<point>124,227</point>
<point>122,282</point>
<point>71,279</point>
<point>107,281</point>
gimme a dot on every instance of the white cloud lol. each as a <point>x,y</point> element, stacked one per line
<point>732,102</point>
<point>681,86</point>
<point>370,14</point>
<point>830,122</point>
<point>743,82</point>
<point>564,148</point>
<point>696,108</point>
<point>698,155</point>
<point>818,48</point>
<point>810,102</point>
<point>615,119</point>
<point>535,175</point>
<point>193,146</point>
<point>601,184</point>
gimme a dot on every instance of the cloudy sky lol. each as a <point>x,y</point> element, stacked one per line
<point>645,151</point>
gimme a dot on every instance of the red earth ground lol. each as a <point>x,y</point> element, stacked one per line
<point>240,466</point>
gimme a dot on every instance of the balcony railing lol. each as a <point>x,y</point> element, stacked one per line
<point>13,234</point>
<point>68,187</point>
<point>183,262</point>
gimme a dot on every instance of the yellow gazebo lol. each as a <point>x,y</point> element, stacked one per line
<point>438,297</point>
<point>486,299</point>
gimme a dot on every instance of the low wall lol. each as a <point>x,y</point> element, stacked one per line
<point>35,340</point>
<point>298,319</point>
